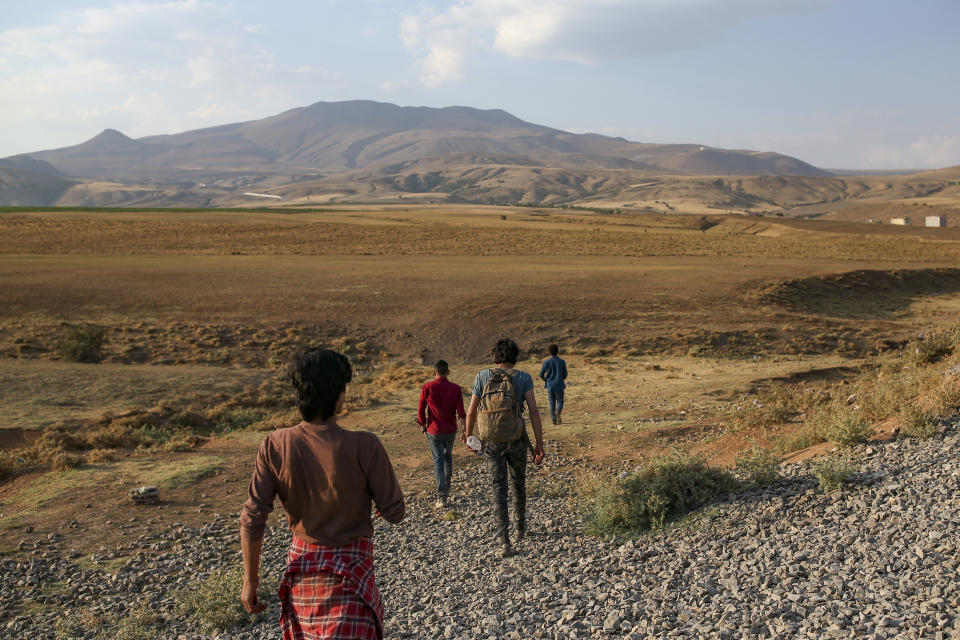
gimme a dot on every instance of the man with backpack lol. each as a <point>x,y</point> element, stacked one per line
<point>554,373</point>
<point>496,410</point>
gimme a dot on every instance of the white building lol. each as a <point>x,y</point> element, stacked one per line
<point>934,221</point>
<point>900,221</point>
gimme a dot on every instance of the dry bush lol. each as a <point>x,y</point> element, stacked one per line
<point>918,423</point>
<point>214,603</point>
<point>930,348</point>
<point>114,436</point>
<point>883,395</point>
<point>758,464</point>
<point>834,470</point>
<point>801,439</point>
<point>181,442</point>
<point>771,406</point>
<point>100,456</point>
<point>59,437</point>
<point>847,428</point>
<point>60,460</point>
<point>946,397</point>
<point>83,343</point>
<point>663,489</point>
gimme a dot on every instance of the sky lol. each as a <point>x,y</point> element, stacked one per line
<point>855,84</point>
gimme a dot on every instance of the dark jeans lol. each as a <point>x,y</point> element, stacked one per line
<point>556,401</point>
<point>441,446</point>
<point>505,458</point>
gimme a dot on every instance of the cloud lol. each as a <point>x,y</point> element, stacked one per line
<point>583,31</point>
<point>926,152</point>
<point>142,67</point>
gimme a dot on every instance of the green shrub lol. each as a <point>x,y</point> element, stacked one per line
<point>665,488</point>
<point>918,423</point>
<point>759,465</point>
<point>843,424</point>
<point>236,418</point>
<point>141,623</point>
<point>770,407</point>
<point>214,603</point>
<point>834,470</point>
<point>83,343</point>
<point>947,397</point>
<point>929,349</point>
<point>801,439</point>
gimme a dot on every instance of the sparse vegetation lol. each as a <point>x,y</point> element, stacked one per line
<point>846,427</point>
<point>834,470</point>
<point>916,422</point>
<point>758,464</point>
<point>663,489</point>
<point>930,348</point>
<point>772,406</point>
<point>214,603</point>
<point>83,343</point>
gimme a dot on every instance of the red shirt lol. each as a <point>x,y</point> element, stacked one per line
<point>445,401</point>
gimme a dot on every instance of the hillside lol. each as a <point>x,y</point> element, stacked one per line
<point>364,151</point>
<point>361,134</point>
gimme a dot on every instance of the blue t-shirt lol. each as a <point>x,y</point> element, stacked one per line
<point>521,380</point>
<point>554,372</point>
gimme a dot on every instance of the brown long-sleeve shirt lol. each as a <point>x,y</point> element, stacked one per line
<point>326,477</point>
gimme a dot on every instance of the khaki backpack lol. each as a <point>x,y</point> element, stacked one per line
<point>499,415</point>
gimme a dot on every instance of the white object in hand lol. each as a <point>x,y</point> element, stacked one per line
<point>474,443</point>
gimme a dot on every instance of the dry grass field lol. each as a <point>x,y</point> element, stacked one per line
<point>667,322</point>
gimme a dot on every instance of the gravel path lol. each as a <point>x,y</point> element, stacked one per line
<point>877,560</point>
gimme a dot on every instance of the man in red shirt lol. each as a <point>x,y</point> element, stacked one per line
<point>439,411</point>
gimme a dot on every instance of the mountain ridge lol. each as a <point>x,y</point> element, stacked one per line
<point>359,134</point>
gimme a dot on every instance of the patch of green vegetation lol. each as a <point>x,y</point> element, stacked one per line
<point>238,418</point>
<point>142,623</point>
<point>918,423</point>
<point>83,343</point>
<point>930,348</point>
<point>214,603</point>
<point>758,464</point>
<point>664,489</point>
<point>801,439</point>
<point>834,470</point>
<point>847,427</point>
<point>186,473</point>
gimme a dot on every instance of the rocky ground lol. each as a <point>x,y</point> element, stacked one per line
<point>879,559</point>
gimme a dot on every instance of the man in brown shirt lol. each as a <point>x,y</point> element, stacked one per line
<point>327,478</point>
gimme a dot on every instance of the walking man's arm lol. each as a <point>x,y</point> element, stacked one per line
<point>538,451</point>
<point>422,409</point>
<point>471,418</point>
<point>251,572</point>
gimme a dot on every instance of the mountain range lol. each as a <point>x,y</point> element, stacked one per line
<point>372,151</point>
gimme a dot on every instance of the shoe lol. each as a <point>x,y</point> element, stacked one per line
<point>553,420</point>
<point>559,419</point>
<point>521,536</point>
<point>507,551</point>
<point>446,502</point>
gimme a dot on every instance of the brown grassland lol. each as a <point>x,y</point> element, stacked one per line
<point>673,328</point>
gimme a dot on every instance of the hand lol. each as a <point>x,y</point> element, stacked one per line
<point>423,429</point>
<point>376,512</point>
<point>463,437</point>
<point>248,595</point>
<point>538,454</point>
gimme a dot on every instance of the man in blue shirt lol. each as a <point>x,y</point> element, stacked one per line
<point>508,456</point>
<point>553,373</point>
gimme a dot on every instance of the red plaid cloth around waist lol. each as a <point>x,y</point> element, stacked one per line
<point>346,603</point>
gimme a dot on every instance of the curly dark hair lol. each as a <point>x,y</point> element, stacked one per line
<point>553,349</point>
<point>318,377</point>
<point>506,351</point>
